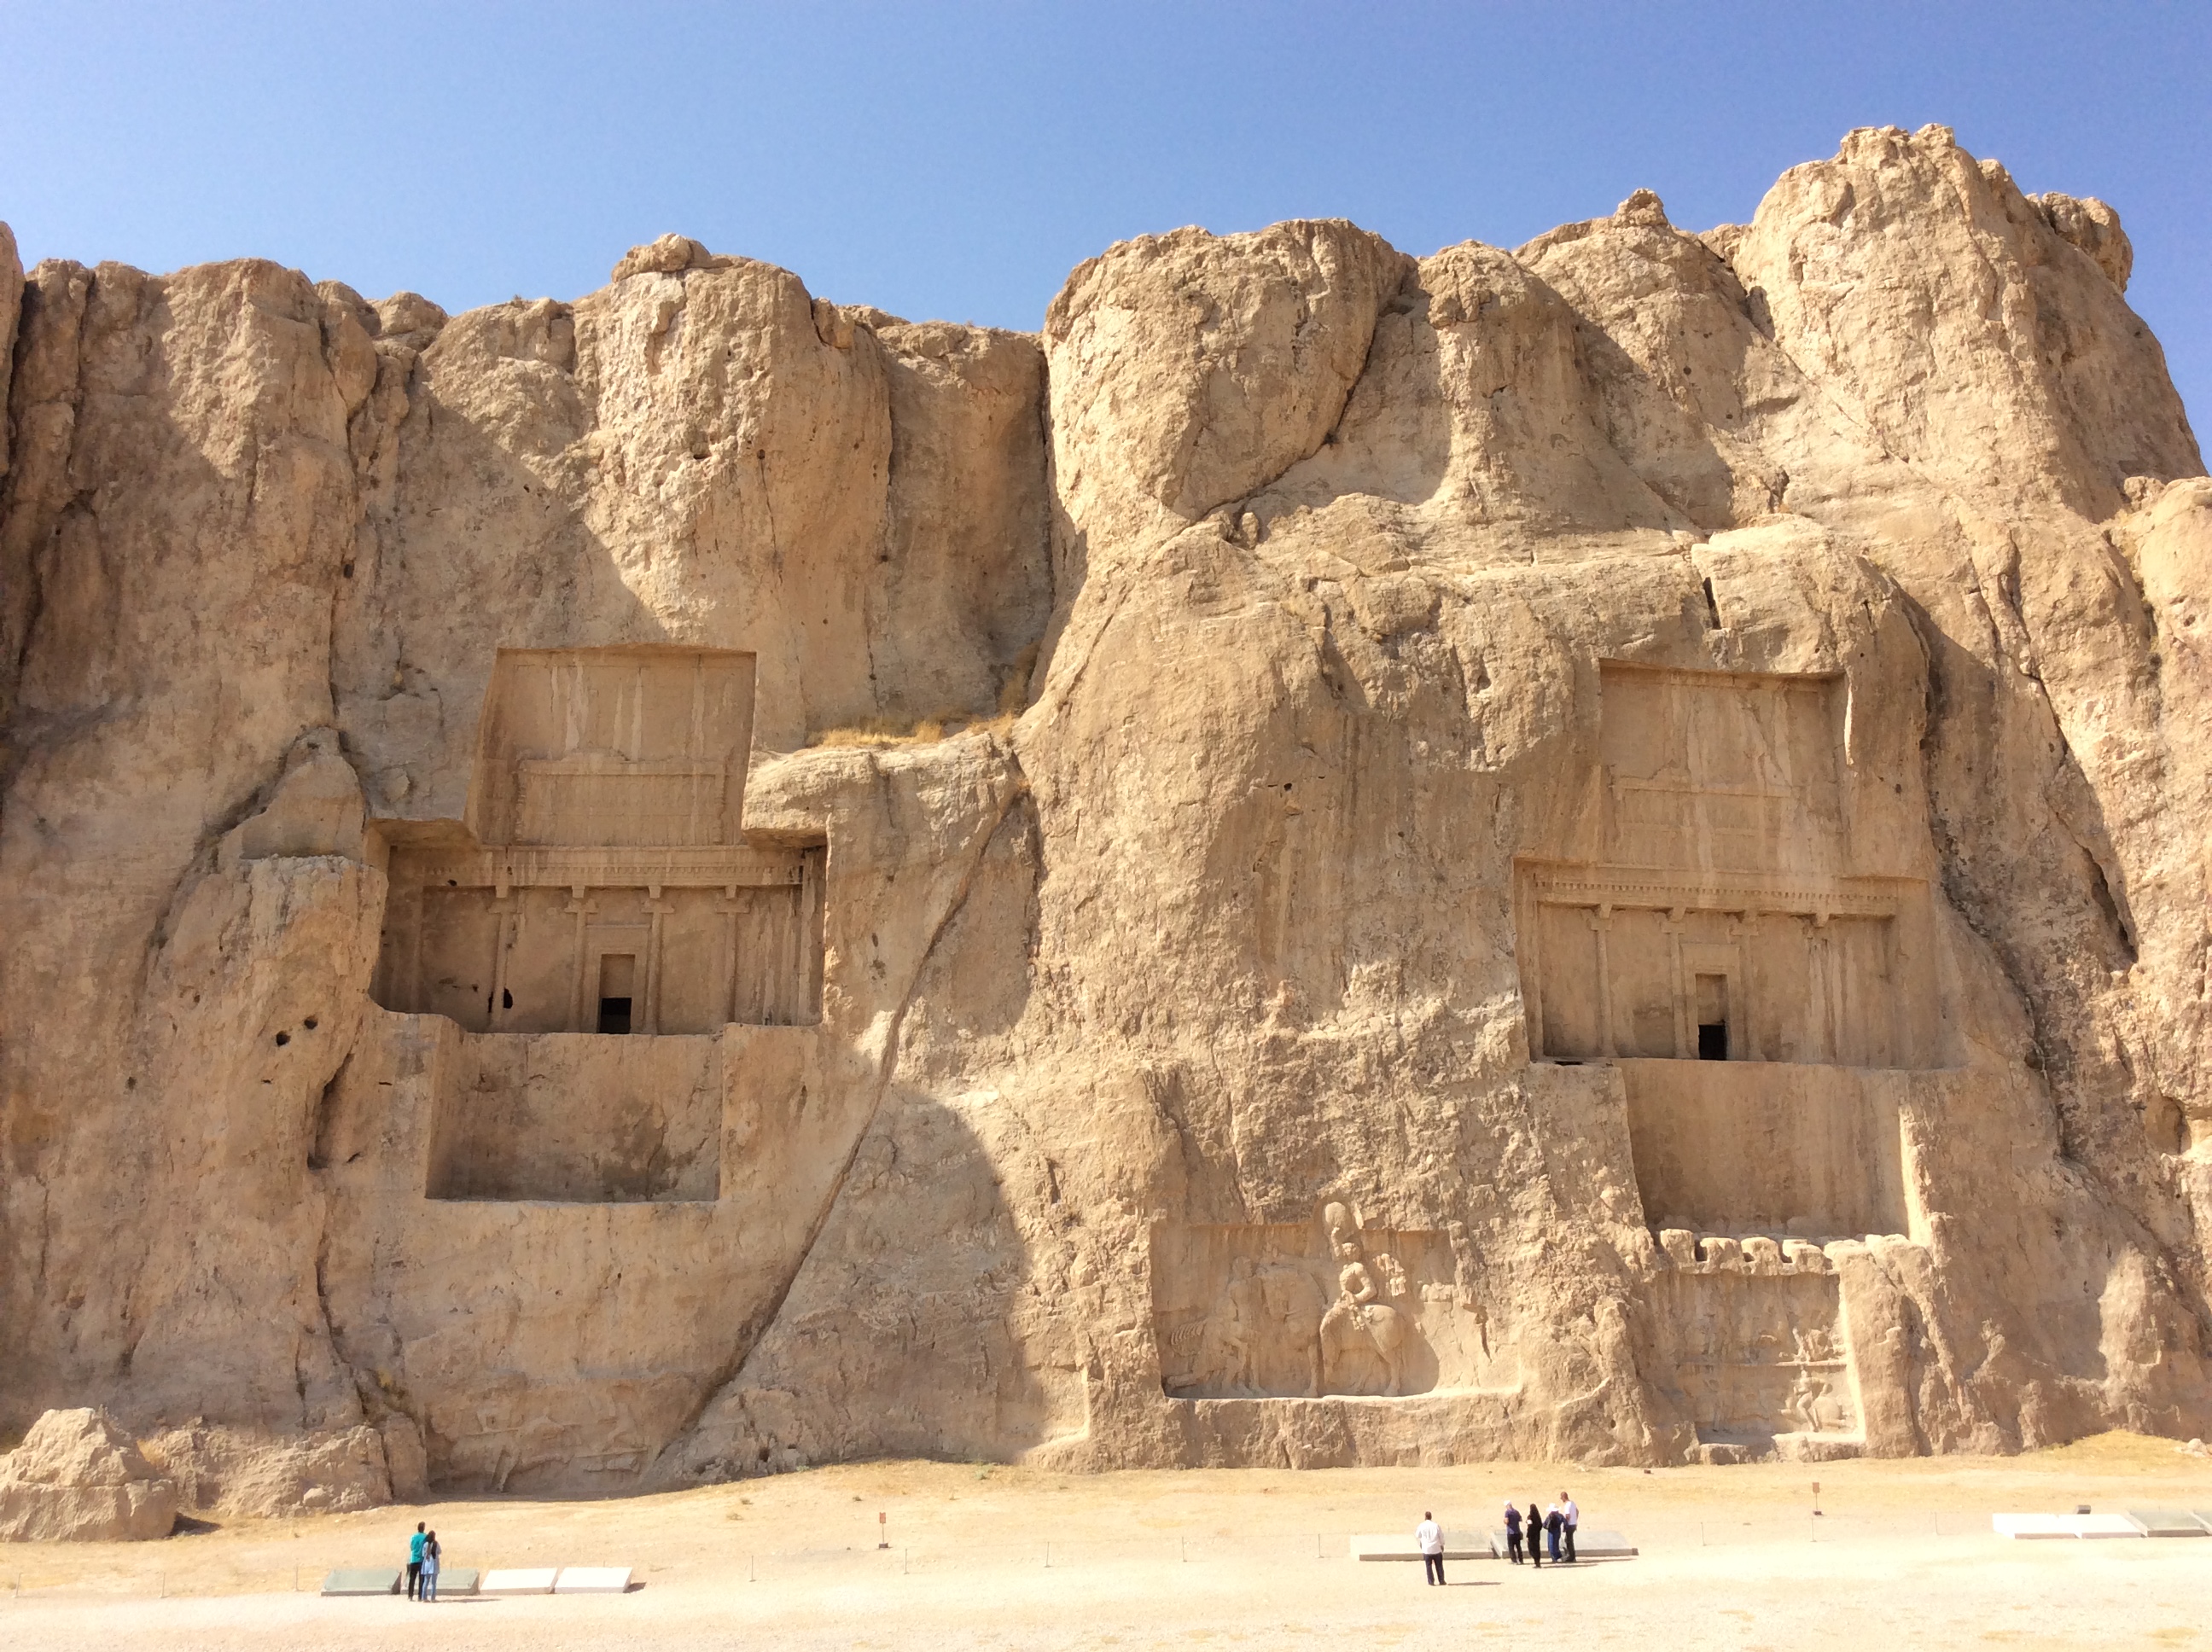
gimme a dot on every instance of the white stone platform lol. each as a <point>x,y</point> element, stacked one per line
<point>1458,1546</point>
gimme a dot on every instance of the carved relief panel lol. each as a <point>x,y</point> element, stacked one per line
<point>1324,1307</point>
<point>1758,1346</point>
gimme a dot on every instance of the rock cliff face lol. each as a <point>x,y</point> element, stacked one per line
<point>1596,850</point>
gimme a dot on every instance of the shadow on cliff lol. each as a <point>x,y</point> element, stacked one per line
<point>910,1328</point>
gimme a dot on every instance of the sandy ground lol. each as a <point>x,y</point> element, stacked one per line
<point>1902,1555</point>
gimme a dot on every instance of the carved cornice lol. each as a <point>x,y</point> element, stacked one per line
<point>711,866</point>
<point>1662,888</point>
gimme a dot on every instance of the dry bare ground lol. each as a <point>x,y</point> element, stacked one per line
<point>1901,1556</point>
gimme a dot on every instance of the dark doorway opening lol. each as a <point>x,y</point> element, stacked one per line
<point>1712,1018</point>
<point>617,985</point>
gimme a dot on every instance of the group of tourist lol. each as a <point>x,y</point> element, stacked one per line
<point>423,1554</point>
<point>1555,1526</point>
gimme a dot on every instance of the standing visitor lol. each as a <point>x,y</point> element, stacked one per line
<point>1535,1538</point>
<point>1573,1517</point>
<point>414,1561</point>
<point>1554,1522</point>
<point>1431,1538</point>
<point>430,1553</point>
<point>1513,1532</point>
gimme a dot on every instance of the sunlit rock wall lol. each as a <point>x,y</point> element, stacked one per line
<point>1595,850</point>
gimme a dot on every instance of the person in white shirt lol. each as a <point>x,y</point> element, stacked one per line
<point>1574,1518</point>
<point>1429,1537</point>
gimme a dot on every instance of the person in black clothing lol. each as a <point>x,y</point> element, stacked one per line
<point>1513,1534</point>
<point>1535,1536</point>
<point>1554,1523</point>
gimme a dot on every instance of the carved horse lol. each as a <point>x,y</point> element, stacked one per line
<point>1359,1326</point>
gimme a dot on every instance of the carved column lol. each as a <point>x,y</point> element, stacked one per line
<point>1746,932</point>
<point>1821,946</point>
<point>1894,992</point>
<point>1676,917</point>
<point>1532,970</point>
<point>503,906</point>
<point>1601,923</point>
<point>581,910</point>
<point>658,909</point>
<point>731,911</point>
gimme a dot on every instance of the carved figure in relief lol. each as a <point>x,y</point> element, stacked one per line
<point>1238,1325</point>
<point>1806,1394</point>
<point>1814,1346</point>
<point>1359,1327</point>
<point>1291,1309</point>
<point>1467,1267</point>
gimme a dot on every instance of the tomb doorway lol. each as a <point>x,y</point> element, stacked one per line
<point>618,990</point>
<point>1712,1018</point>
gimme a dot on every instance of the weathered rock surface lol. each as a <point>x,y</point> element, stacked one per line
<point>78,1477</point>
<point>246,1474</point>
<point>1454,695</point>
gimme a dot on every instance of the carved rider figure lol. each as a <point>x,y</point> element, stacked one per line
<point>1358,1321</point>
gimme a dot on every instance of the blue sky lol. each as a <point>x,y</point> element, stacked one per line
<point>957,161</point>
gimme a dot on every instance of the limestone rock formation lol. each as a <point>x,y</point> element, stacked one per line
<point>78,1477</point>
<point>248,1473</point>
<point>1598,849</point>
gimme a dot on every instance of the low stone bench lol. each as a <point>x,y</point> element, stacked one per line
<point>384,1579</point>
<point>2058,1525</point>
<point>1591,1543</point>
<point>1458,1546</point>
<point>2170,1522</point>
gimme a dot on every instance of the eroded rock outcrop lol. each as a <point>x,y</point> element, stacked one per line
<point>78,1477</point>
<point>1598,849</point>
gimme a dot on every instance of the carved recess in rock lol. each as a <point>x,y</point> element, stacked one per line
<point>1729,918</point>
<point>1322,1309</point>
<point>1732,921</point>
<point>605,889</point>
<point>1759,1349</point>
